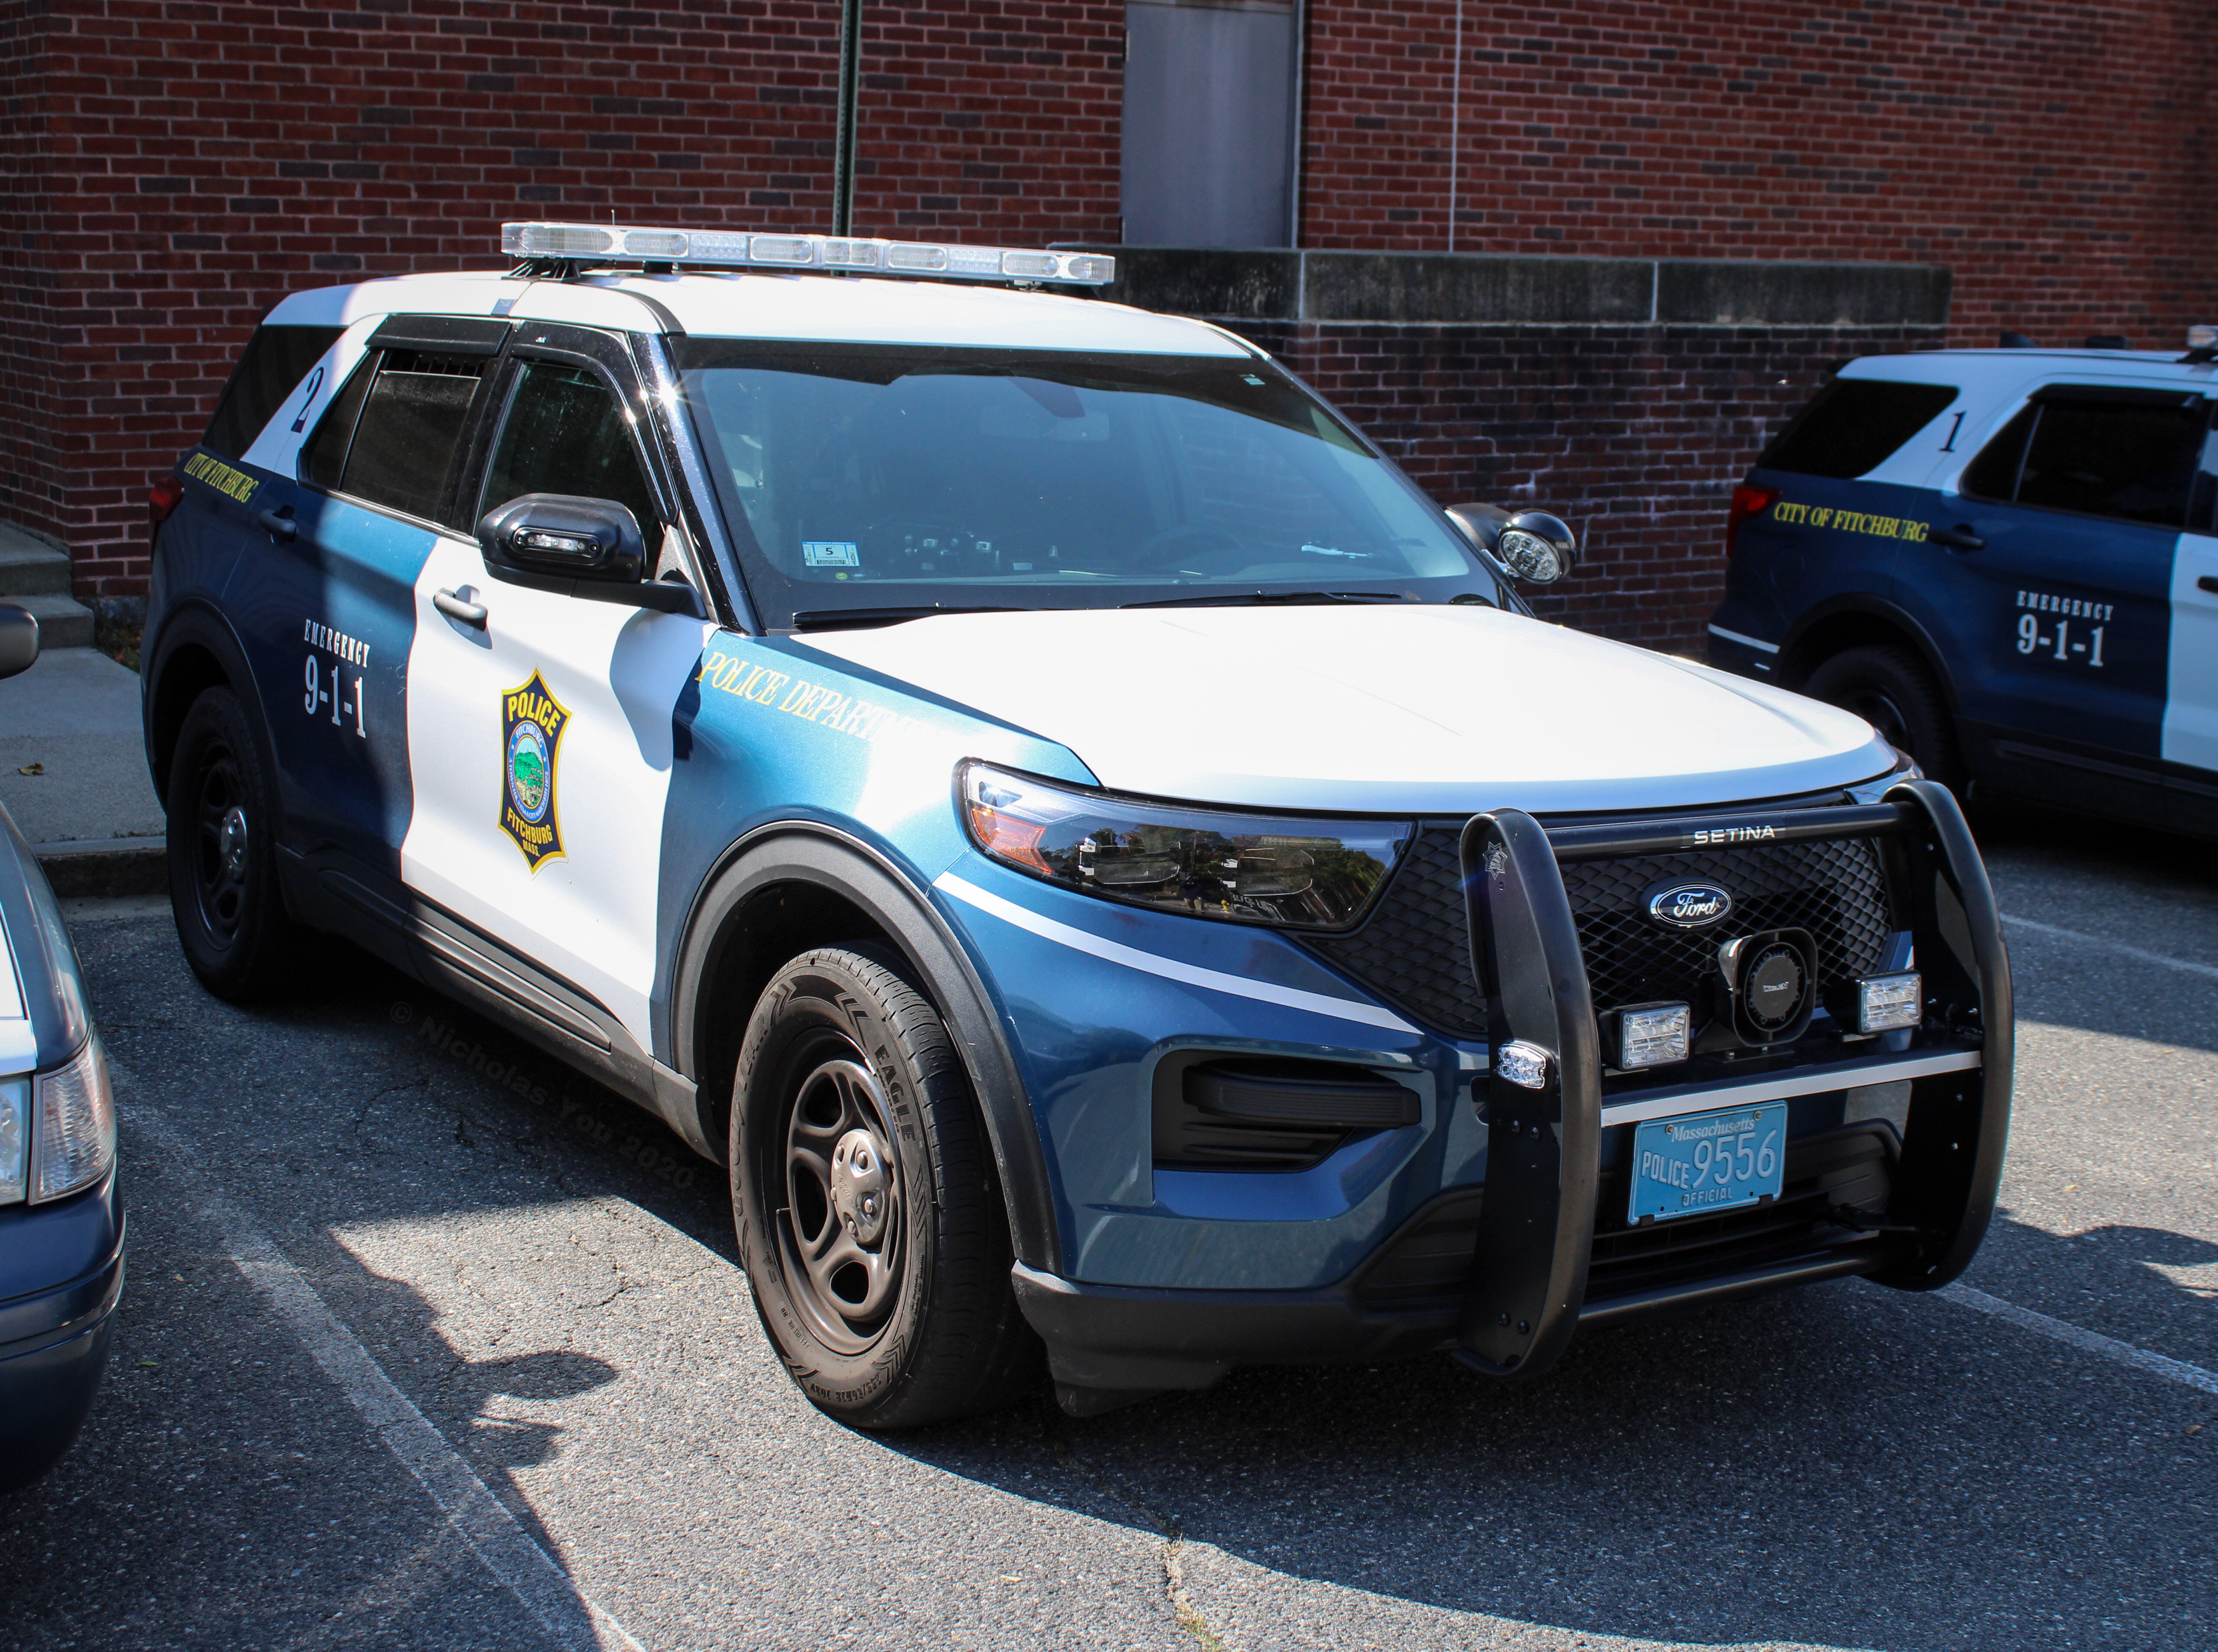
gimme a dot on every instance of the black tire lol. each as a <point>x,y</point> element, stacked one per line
<point>1890,690</point>
<point>231,918</point>
<point>848,1089</point>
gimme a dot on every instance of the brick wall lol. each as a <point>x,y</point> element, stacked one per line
<point>1634,435</point>
<point>2056,154</point>
<point>167,170</point>
<point>170,168</point>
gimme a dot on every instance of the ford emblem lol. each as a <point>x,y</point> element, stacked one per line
<point>1689,906</point>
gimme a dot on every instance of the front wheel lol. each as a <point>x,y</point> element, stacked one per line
<point>232,920</point>
<point>864,1190</point>
<point>1890,690</point>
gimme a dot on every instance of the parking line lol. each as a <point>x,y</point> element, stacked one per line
<point>2118,947</point>
<point>2177,1371</point>
<point>571,1617</point>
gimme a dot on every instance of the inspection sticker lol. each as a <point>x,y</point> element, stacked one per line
<point>830,553</point>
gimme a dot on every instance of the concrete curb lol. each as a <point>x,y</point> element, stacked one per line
<point>105,866</point>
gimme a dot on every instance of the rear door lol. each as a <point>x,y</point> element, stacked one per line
<point>542,739</point>
<point>2191,712</point>
<point>2048,590</point>
<point>327,607</point>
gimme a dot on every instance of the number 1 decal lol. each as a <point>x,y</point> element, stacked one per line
<point>1950,446</point>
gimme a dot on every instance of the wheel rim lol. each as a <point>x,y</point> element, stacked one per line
<point>1877,708</point>
<point>840,1231</point>
<point>223,847</point>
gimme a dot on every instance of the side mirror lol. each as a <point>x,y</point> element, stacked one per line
<point>19,639</point>
<point>562,536</point>
<point>1537,547</point>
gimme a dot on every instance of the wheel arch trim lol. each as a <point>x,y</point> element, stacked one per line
<point>846,866</point>
<point>197,622</point>
<point>1865,606</point>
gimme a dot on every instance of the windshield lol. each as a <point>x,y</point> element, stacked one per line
<point>890,478</point>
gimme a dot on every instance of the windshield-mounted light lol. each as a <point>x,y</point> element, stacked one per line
<point>1302,874</point>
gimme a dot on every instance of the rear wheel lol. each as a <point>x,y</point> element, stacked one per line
<point>231,920</point>
<point>1890,690</point>
<point>862,1188</point>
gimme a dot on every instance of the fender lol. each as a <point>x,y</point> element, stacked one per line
<point>195,621</point>
<point>1877,608</point>
<point>805,852</point>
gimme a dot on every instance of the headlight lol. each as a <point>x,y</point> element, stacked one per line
<point>73,1140</point>
<point>1248,869</point>
<point>14,1140</point>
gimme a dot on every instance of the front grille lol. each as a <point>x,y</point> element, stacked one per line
<point>1414,950</point>
<point>1831,887</point>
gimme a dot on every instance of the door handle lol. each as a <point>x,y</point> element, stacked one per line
<point>2209,582</point>
<point>1959,538</point>
<point>279,527</point>
<point>456,608</point>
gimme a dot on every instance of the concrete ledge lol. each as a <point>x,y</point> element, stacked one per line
<point>1731,293</point>
<point>105,866</point>
<point>1479,289</point>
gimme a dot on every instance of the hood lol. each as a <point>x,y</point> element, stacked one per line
<point>1405,709</point>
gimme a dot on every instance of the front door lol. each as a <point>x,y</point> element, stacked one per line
<point>2056,621</point>
<point>541,738</point>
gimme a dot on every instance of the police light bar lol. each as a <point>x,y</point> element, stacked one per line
<point>844,252</point>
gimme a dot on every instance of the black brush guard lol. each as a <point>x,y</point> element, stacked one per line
<point>1536,1231</point>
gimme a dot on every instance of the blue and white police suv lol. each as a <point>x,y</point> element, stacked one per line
<point>2006,561</point>
<point>1108,864</point>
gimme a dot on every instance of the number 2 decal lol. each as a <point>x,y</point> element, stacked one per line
<point>315,383</point>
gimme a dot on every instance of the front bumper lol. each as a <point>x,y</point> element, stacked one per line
<point>55,1339</point>
<point>1505,1272</point>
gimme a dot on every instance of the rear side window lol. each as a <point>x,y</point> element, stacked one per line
<point>2128,455</point>
<point>277,359</point>
<point>1854,425</point>
<point>566,434</point>
<point>393,437</point>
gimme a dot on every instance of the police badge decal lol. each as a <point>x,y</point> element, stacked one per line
<point>532,720</point>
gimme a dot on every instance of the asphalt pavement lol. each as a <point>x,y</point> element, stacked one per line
<point>428,1343</point>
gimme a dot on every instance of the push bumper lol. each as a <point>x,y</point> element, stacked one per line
<point>1504,1274</point>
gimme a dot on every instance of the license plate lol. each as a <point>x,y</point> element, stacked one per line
<point>1706,1162</point>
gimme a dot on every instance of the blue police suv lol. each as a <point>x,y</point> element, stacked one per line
<point>2005,559</point>
<point>1116,874</point>
<point>61,1216</point>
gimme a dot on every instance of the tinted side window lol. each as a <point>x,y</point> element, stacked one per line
<point>566,433</point>
<point>1854,425</point>
<point>392,435</point>
<point>1994,474</point>
<point>322,456</point>
<point>277,359</point>
<point>2136,463</point>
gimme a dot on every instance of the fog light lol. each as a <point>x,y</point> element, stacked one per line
<point>1885,1002</point>
<point>1646,1035</point>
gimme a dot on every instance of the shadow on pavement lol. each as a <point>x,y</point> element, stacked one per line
<point>1838,1466</point>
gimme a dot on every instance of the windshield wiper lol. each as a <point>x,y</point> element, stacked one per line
<point>1273,598</point>
<point>855,619</point>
